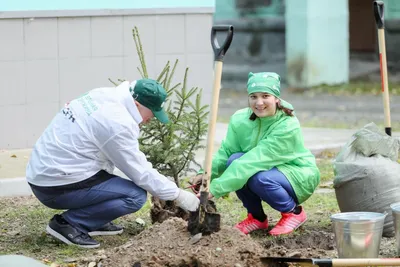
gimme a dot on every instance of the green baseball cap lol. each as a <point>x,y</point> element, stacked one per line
<point>266,82</point>
<point>152,95</point>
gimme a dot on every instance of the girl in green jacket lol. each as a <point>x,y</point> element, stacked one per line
<point>263,158</point>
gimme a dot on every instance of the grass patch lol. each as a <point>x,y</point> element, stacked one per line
<point>319,207</point>
<point>326,169</point>
<point>22,231</point>
<point>325,166</point>
<point>353,87</point>
<point>356,87</point>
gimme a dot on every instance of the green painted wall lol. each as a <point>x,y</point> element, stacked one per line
<point>315,55</point>
<point>392,9</point>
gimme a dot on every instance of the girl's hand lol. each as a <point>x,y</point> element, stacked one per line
<point>195,183</point>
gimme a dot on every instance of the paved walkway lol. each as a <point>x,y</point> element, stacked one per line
<point>13,162</point>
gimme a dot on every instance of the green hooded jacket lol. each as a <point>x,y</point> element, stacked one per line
<point>275,141</point>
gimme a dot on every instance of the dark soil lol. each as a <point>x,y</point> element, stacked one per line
<point>163,210</point>
<point>170,244</point>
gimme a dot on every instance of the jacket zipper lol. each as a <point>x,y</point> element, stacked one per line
<point>258,134</point>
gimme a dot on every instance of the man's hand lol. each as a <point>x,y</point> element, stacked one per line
<point>187,200</point>
<point>195,182</point>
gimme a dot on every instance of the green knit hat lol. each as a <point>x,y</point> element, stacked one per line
<point>152,95</point>
<point>266,82</point>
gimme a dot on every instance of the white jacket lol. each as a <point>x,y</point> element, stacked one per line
<point>94,132</point>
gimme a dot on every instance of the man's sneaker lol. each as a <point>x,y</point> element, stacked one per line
<point>63,231</point>
<point>289,222</point>
<point>108,229</point>
<point>250,224</point>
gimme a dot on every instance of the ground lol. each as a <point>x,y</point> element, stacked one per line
<point>169,243</point>
<point>23,221</point>
<point>228,247</point>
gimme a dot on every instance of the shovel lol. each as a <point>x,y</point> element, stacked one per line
<point>277,261</point>
<point>205,220</point>
<point>380,24</point>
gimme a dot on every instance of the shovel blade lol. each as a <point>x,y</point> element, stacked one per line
<point>212,223</point>
<point>204,220</point>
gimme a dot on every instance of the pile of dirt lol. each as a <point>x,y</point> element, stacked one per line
<point>170,244</point>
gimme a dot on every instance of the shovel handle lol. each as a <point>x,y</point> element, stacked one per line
<point>366,262</point>
<point>379,20</point>
<point>379,14</point>
<point>335,262</point>
<point>219,52</point>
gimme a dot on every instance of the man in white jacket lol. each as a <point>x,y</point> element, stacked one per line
<point>71,165</point>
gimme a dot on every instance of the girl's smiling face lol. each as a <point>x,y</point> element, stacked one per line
<point>263,104</point>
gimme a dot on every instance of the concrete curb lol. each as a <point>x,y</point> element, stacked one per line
<point>13,187</point>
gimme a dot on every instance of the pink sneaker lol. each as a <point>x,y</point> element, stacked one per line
<point>250,224</point>
<point>289,222</point>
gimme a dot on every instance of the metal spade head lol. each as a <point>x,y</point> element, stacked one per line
<point>205,220</point>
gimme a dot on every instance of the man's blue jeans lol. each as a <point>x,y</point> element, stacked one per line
<point>89,208</point>
<point>270,186</point>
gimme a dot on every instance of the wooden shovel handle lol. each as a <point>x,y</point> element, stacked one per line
<point>219,53</point>
<point>211,126</point>
<point>334,262</point>
<point>366,262</point>
<point>380,24</point>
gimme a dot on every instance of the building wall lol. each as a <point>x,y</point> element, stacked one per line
<point>239,9</point>
<point>41,5</point>
<point>392,33</point>
<point>259,40</point>
<point>47,60</point>
<point>315,55</point>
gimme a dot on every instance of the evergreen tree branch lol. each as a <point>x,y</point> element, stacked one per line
<point>171,148</point>
<point>161,75</point>
<point>172,74</point>
<point>116,84</point>
<point>139,49</point>
<point>198,132</point>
